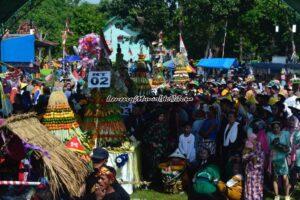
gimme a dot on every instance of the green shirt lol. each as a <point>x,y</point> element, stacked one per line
<point>284,139</point>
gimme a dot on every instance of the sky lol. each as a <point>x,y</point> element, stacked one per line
<point>93,1</point>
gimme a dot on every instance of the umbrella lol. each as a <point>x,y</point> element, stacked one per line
<point>190,69</point>
<point>72,58</point>
<point>169,64</point>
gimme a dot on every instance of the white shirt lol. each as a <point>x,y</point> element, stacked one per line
<point>187,146</point>
<point>291,102</point>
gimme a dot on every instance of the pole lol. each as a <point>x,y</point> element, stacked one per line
<point>20,183</point>
<point>224,41</point>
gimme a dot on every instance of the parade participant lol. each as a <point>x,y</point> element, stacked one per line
<point>68,90</point>
<point>291,101</point>
<point>205,183</point>
<point>197,124</point>
<point>43,101</point>
<point>155,141</point>
<point>199,119</point>
<point>294,130</point>
<point>117,187</point>
<point>106,180</point>
<point>99,158</point>
<point>232,139</point>
<point>135,123</point>
<point>253,157</point>
<point>279,142</point>
<point>25,96</point>
<point>102,189</point>
<point>209,131</point>
<point>187,144</point>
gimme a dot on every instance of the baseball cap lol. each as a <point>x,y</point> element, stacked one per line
<point>99,154</point>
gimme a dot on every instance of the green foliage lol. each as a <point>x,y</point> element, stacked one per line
<point>85,19</point>
<point>250,29</point>
<point>251,24</point>
<point>51,15</point>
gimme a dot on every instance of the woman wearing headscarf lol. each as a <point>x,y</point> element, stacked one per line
<point>253,158</point>
<point>279,143</point>
<point>232,138</point>
<point>294,130</point>
<point>155,141</point>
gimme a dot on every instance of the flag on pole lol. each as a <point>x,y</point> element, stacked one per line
<point>103,45</point>
<point>182,46</point>
<point>130,52</point>
<point>110,36</point>
<point>65,34</point>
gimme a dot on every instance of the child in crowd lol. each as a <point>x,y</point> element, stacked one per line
<point>187,144</point>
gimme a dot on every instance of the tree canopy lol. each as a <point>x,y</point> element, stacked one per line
<point>249,24</point>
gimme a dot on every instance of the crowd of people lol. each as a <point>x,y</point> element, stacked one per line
<point>248,129</point>
<point>244,127</point>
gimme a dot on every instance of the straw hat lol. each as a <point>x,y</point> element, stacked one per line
<point>23,85</point>
<point>177,154</point>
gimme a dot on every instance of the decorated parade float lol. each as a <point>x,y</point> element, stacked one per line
<point>181,74</point>
<point>35,163</point>
<point>158,77</point>
<point>140,78</point>
<point>59,117</point>
<point>102,119</point>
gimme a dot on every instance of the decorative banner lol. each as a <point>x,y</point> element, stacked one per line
<point>99,79</point>
<point>75,145</point>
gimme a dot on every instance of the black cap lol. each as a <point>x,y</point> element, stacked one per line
<point>99,154</point>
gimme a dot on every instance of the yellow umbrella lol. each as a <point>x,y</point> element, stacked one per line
<point>190,69</point>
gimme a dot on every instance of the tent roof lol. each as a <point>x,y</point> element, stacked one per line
<point>217,63</point>
<point>8,8</point>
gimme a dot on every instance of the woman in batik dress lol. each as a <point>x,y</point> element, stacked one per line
<point>253,157</point>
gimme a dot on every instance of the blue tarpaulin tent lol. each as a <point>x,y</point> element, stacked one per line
<point>218,63</point>
<point>18,49</point>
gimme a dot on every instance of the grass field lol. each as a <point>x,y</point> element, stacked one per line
<point>154,195</point>
<point>151,194</point>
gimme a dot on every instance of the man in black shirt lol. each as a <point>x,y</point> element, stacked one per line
<point>99,158</point>
<point>118,188</point>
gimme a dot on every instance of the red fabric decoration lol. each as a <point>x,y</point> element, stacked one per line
<point>75,145</point>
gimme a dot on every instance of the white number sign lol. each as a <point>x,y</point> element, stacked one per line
<point>99,79</point>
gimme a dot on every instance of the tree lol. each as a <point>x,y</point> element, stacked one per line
<point>149,17</point>
<point>50,17</point>
<point>85,19</point>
